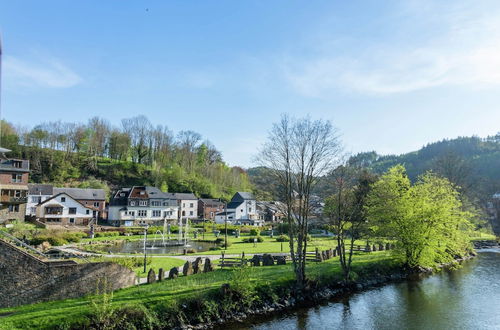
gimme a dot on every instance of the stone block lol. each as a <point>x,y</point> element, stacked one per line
<point>173,273</point>
<point>188,268</point>
<point>151,276</point>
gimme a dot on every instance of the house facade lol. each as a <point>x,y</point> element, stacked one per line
<point>93,198</point>
<point>62,209</point>
<point>271,212</point>
<point>208,208</point>
<point>37,193</point>
<point>13,187</point>
<point>142,205</point>
<point>188,205</point>
<point>241,210</point>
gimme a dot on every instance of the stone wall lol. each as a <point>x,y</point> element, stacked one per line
<point>25,279</point>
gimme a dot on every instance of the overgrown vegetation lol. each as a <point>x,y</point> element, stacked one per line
<point>97,155</point>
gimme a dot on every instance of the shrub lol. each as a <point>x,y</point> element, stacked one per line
<point>251,239</point>
<point>283,238</point>
<point>254,232</point>
<point>107,234</point>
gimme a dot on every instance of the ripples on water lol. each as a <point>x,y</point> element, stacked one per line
<point>467,298</point>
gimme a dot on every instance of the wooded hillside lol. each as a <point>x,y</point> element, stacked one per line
<point>137,153</point>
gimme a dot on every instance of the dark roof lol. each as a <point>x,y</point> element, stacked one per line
<point>185,196</point>
<point>8,165</point>
<point>242,196</point>
<point>40,189</point>
<point>233,205</point>
<point>82,193</point>
<point>224,213</point>
<point>63,193</point>
<point>210,201</point>
<point>135,192</point>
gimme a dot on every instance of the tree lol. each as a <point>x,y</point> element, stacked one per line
<point>345,210</point>
<point>298,151</point>
<point>426,219</point>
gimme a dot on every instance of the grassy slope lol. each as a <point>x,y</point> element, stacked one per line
<point>53,313</point>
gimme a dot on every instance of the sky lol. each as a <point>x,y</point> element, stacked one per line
<point>392,76</point>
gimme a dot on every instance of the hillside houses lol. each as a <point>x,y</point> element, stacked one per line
<point>142,205</point>
<point>62,209</point>
<point>241,210</point>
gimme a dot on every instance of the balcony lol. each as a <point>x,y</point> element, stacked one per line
<point>13,199</point>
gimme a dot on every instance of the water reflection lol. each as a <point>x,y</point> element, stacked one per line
<point>467,298</point>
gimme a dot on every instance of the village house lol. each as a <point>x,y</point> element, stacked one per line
<point>241,210</point>
<point>188,204</point>
<point>93,198</point>
<point>271,212</point>
<point>37,193</point>
<point>13,187</point>
<point>142,205</point>
<point>208,208</point>
<point>62,209</point>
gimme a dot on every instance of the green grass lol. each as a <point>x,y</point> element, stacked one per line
<point>50,314</point>
<point>157,263</point>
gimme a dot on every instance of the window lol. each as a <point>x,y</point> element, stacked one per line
<point>17,193</point>
<point>155,203</point>
<point>191,205</point>
<point>191,213</point>
<point>17,164</point>
<point>33,210</point>
<point>36,199</point>
<point>17,178</point>
<point>156,213</point>
<point>132,203</point>
<point>63,199</point>
<point>131,213</point>
<point>87,212</point>
<point>167,213</point>
<point>143,203</point>
<point>96,204</point>
<point>183,213</point>
<point>249,209</point>
<point>183,204</point>
<point>72,210</point>
<point>14,208</point>
<point>142,213</point>
<point>72,220</point>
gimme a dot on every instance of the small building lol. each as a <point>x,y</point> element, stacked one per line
<point>94,198</point>
<point>242,209</point>
<point>271,212</point>
<point>188,204</point>
<point>13,187</point>
<point>142,205</point>
<point>62,209</point>
<point>208,208</point>
<point>37,193</point>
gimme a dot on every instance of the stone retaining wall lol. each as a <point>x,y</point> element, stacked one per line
<point>26,279</point>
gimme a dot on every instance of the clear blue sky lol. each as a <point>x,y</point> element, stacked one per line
<point>391,75</point>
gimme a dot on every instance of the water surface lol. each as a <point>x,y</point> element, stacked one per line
<point>467,298</point>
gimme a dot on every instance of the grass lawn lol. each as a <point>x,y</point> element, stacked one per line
<point>157,263</point>
<point>198,286</point>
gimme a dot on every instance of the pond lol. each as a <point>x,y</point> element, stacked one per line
<point>467,298</point>
<point>155,247</point>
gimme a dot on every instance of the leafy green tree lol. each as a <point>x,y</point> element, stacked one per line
<point>426,219</point>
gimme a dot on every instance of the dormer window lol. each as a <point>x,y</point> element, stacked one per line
<point>63,199</point>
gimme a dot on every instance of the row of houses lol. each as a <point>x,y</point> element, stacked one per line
<point>138,205</point>
<point>142,205</point>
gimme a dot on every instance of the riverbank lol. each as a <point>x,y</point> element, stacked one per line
<point>196,300</point>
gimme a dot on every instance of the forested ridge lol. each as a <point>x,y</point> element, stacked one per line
<point>97,154</point>
<point>471,163</point>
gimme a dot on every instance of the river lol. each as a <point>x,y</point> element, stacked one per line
<point>467,298</point>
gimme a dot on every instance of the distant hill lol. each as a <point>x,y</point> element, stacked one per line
<point>473,163</point>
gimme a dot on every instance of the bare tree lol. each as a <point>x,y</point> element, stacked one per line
<point>298,151</point>
<point>345,210</point>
